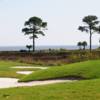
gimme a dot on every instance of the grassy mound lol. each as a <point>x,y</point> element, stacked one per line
<point>87,70</point>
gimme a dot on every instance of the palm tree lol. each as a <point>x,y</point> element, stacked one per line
<point>84,44</point>
<point>29,47</point>
<point>34,26</point>
<point>91,22</point>
<point>80,45</point>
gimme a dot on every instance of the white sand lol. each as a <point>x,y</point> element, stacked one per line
<point>13,82</point>
<point>24,72</point>
<point>21,67</point>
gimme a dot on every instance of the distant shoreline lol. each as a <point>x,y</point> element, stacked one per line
<point>18,48</point>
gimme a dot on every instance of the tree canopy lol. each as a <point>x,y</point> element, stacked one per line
<point>33,27</point>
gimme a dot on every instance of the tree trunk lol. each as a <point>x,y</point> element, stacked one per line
<point>84,47</point>
<point>79,47</point>
<point>90,40</point>
<point>29,50</point>
<point>33,43</point>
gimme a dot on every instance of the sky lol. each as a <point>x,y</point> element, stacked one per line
<point>63,17</point>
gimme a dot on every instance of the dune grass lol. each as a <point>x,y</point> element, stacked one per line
<point>86,70</point>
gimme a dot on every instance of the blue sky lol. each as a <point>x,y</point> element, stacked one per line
<point>63,17</point>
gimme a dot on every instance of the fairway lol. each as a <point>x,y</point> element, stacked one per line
<point>87,89</point>
<point>83,90</point>
<point>7,70</point>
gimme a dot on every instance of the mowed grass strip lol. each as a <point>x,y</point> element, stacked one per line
<point>81,90</point>
<point>86,70</point>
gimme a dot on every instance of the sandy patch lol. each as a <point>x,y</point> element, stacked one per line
<point>24,72</point>
<point>13,82</point>
<point>21,67</point>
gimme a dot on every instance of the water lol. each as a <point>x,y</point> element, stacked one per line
<point>18,48</point>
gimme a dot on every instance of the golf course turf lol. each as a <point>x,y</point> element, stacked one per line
<point>82,70</point>
<point>7,70</point>
<point>88,89</point>
<point>82,90</point>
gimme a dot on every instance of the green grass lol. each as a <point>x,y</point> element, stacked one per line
<point>78,90</point>
<point>7,71</point>
<point>82,90</point>
<point>87,70</point>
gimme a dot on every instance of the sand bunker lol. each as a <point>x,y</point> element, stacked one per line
<point>24,72</point>
<point>13,82</point>
<point>21,67</point>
